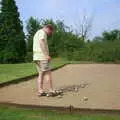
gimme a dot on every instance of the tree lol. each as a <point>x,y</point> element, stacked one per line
<point>97,39</point>
<point>84,26</point>
<point>12,38</point>
<point>112,35</point>
<point>62,42</point>
<point>32,26</point>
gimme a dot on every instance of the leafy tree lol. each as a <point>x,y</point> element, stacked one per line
<point>111,36</point>
<point>32,26</point>
<point>12,38</point>
<point>62,43</point>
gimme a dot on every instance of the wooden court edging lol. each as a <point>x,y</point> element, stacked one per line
<point>15,81</point>
<point>69,109</point>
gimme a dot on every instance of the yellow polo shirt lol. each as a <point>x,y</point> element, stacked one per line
<point>37,51</point>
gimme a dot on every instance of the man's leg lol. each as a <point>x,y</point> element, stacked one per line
<point>40,77</point>
<point>40,82</point>
<point>48,78</point>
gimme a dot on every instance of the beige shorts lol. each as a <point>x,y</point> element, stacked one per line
<point>42,65</point>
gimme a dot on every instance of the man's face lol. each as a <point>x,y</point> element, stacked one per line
<point>49,32</point>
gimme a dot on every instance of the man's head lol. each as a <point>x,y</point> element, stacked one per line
<point>48,29</point>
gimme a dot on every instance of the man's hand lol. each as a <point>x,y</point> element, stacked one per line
<point>48,58</point>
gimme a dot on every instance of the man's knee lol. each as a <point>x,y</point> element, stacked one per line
<point>41,73</point>
<point>48,72</point>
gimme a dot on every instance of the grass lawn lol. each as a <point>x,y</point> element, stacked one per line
<point>13,71</point>
<point>13,113</point>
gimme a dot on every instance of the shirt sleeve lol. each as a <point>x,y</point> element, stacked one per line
<point>41,35</point>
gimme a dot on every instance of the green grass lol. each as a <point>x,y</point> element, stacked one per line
<point>14,113</point>
<point>10,72</point>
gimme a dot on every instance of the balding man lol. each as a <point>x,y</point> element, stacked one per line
<point>42,59</point>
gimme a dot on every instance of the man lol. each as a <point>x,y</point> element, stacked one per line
<point>42,59</point>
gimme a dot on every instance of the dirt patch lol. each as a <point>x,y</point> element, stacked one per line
<point>84,86</point>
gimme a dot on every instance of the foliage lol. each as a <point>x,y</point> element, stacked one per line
<point>12,38</point>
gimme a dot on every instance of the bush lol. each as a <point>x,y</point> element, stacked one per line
<point>99,52</point>
<point>29,57</point>
<point>1,56</point>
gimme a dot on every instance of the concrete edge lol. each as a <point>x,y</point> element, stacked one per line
<point>19,80</point>
<point>68,109</point>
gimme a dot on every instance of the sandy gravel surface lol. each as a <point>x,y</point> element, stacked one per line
<point>102,89</point>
